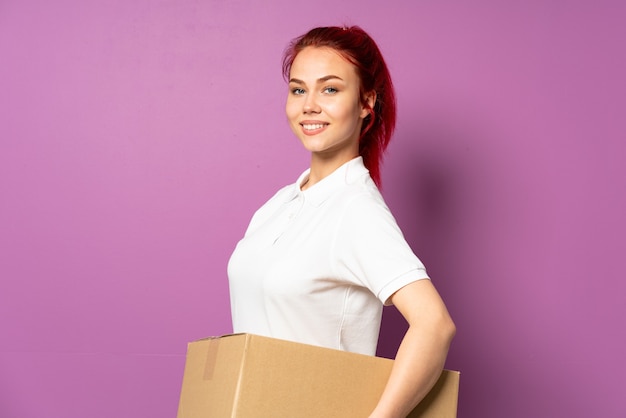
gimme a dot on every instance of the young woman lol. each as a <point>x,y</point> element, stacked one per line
<point>322,256</point>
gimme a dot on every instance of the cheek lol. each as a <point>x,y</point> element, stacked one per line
<point>293,117</point>
<point>291,109</point>
<point>348,112</point>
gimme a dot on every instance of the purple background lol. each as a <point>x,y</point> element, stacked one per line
<point>138,136</point>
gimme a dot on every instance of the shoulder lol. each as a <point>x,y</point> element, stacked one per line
<point>363,208</point>
<point>363,199</point>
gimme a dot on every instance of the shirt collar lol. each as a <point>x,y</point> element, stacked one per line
<point>346,174</point>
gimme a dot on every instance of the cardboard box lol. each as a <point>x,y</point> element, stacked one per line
<point>248,376</point>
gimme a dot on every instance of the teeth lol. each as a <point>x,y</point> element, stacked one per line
<point>310,127</point>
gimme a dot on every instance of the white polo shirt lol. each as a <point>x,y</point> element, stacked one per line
<point>316,266</point>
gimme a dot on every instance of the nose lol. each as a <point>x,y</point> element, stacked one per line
<point>310,104</point>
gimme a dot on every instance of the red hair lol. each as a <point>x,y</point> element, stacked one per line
<point>357,47</point>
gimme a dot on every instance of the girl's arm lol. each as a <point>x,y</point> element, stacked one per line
<point>422,353</point>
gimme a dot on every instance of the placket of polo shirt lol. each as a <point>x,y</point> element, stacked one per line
<point>294,206</point>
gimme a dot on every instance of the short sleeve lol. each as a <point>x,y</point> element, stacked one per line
<point>371,249</point>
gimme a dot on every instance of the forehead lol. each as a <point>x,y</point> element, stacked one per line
<point>315,63</point>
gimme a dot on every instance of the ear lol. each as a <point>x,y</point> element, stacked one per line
<point>367,103</point>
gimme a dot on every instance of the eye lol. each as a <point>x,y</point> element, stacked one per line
<point>330,90</point>
<point>297,91</point>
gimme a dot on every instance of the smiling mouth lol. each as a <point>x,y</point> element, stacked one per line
<point>313,126</point>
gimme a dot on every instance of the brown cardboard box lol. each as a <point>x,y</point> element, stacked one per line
<point>248,376</point>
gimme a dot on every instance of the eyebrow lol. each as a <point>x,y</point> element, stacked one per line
<point>319,80</point>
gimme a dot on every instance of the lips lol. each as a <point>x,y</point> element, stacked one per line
<point>313,127</point>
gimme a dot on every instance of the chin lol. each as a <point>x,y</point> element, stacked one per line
<point>312,145</point>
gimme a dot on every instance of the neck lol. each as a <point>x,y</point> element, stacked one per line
<point>322,167</point>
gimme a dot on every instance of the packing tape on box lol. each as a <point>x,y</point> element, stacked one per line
<point>211,358</point>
